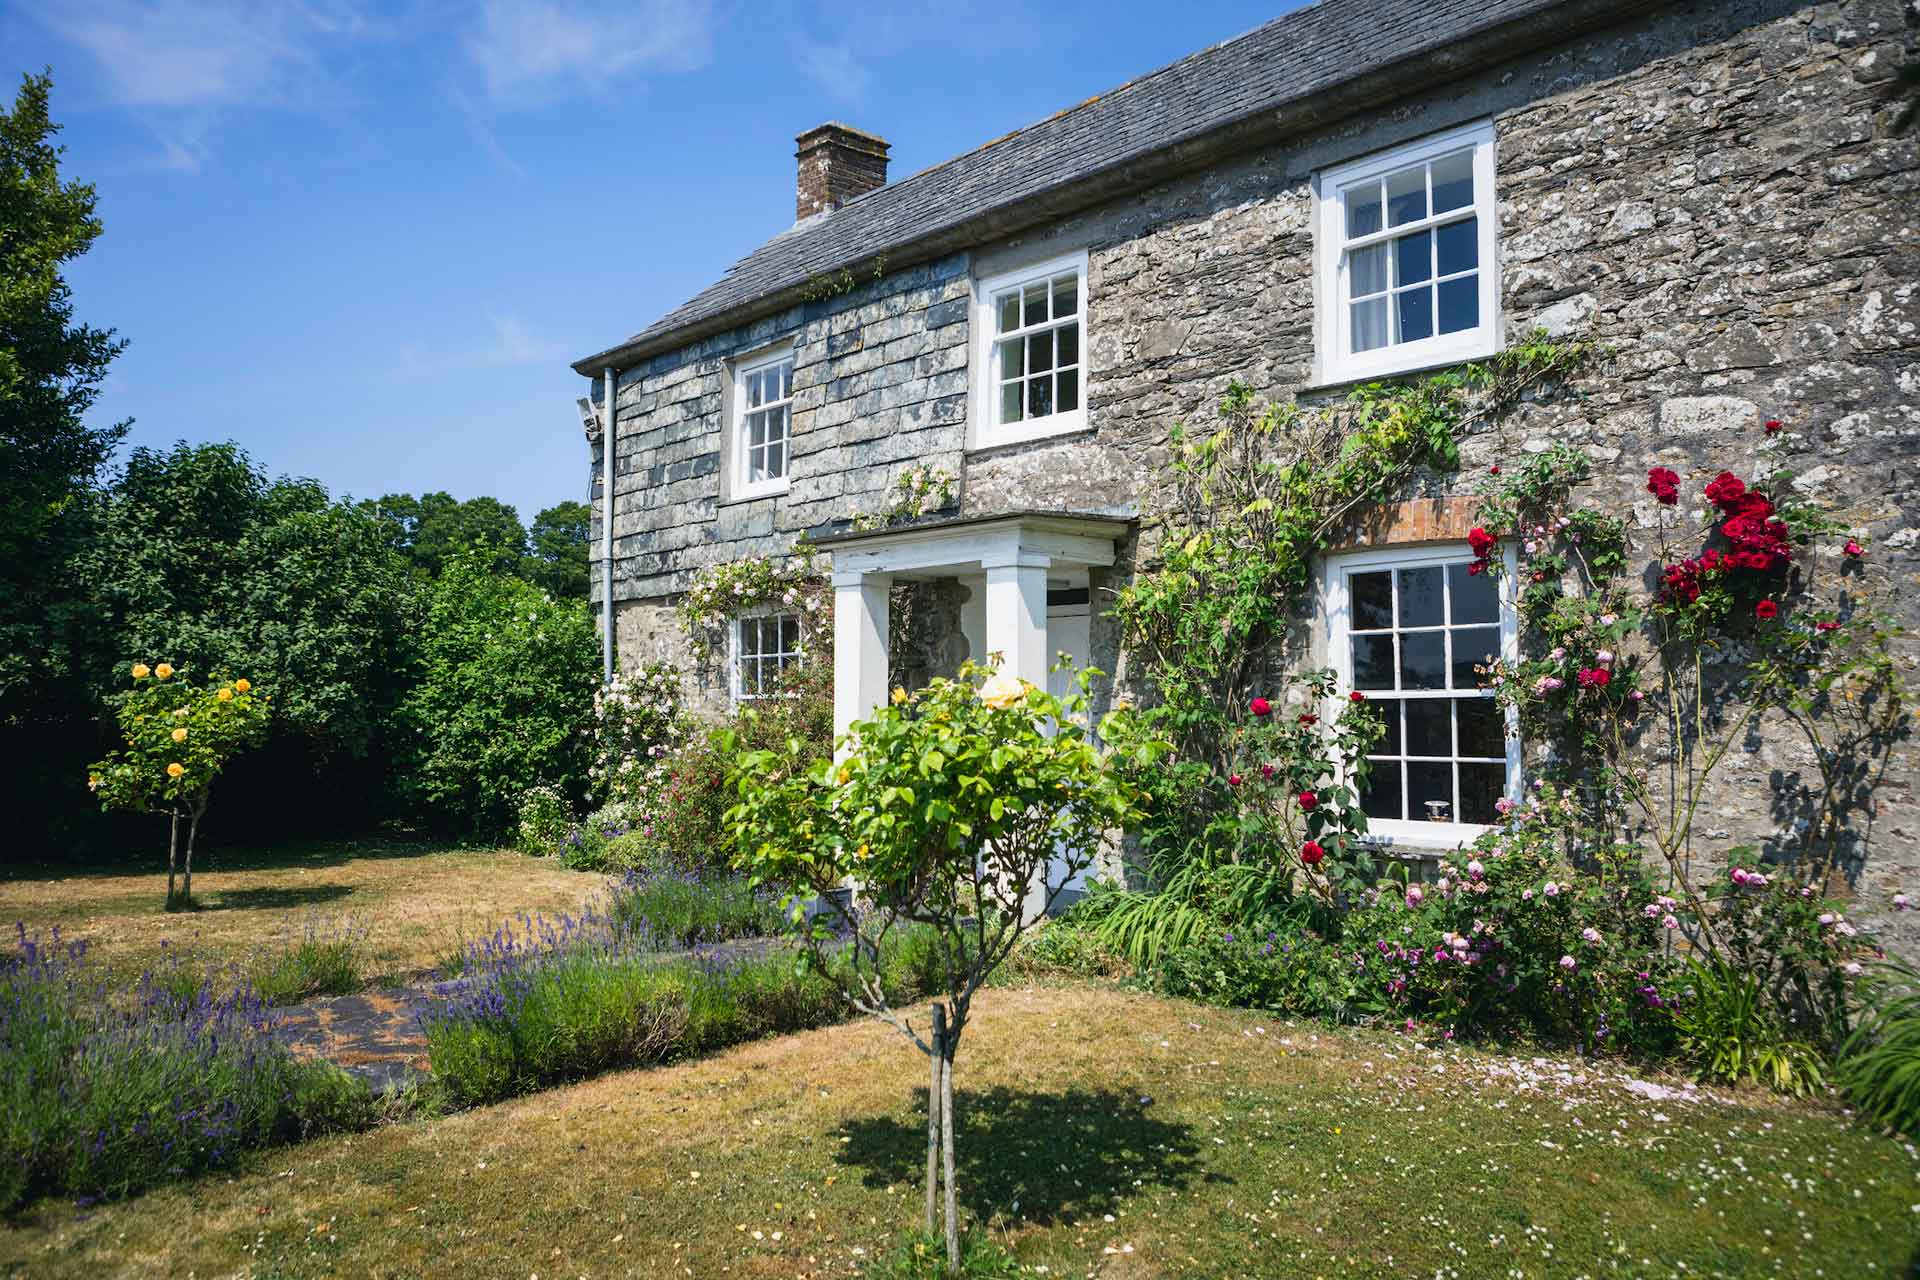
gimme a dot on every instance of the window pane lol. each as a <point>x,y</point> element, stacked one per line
<point>1483,728</point>
<point>1460,304</point>
<point>1011,399</point>
<point>756,465</point>
<point>1481,786</point>
<point>1013,361</point>
<point>1423,660</point>
<point>1387,711</point>
<point>755,395</point>
<point>756,430</point>
<point>1380,793</point>
<point>779,422</point>
<point>1363,209</point>
<point>1373,662</point>
<point>789,633</point>
<point>1039,352</point>
<point>1429,727</point>
<point>1036,306</point>
<point>1372,600</point>
<point>1458,246</point>
<point>786,379</point>
<point>1066,296</point>
<point>776,461</point>
<point>1430,792</point>
<point>1010,312</point>
<point>1413,258</point>
<point>1067,397</point>
<point>1069,338</point>
<point>1407,196</point>
<point>1414,310</point>
<point>1370,324</point>
<point>1476,598</point>
<point>1040,397</point>
<point>1368,272</point>
<point>1453,181</point>
<point>1420,597</point>
<point>1471,647</point>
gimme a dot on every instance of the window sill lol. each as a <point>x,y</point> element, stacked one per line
<point>1428,839</point>
<point>752,495</point>
<point>1050,428</point>
<point>1347,380</point>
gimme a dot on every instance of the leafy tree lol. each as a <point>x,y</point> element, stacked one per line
<point>50,374</point>
<point>177,738</point>
<point>559,559</point>
<point>957,809</point>
<point>431,529</point>
<point>501,703</point>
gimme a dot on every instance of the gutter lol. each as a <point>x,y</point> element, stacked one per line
<point>1257,128</point>
<point>608,436</point>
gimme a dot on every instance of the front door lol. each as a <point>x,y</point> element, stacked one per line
<point>1069,631</point>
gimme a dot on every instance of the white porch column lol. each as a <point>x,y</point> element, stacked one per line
<point>859,645</point>
<point>1017,615</point>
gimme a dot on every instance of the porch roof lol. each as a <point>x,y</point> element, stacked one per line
<point>936,547</point>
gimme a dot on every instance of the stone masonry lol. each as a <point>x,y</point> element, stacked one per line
<point>1713,190</point>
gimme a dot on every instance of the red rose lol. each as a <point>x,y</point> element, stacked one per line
<point>1481,541</point>
<point>1725,490</point>
<point>1309,801</point>
<point>1766,609</point>
<point>1494,469</point>
<point>1309,718</point>
<point>1853,550</point>
<point>1664,485</point>
<point>1595,677</point>
<point>1259,706</point>
<point>1266,771</point>
<point>1311,852</point>
<point>1356,696</point>
<point>1773,425</point>
<point>1233,779</point>
<point>1826,626</point>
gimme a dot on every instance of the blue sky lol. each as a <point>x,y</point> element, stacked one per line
<point>366,240</point>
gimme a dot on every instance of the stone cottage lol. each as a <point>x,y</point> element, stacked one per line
<point>1357,190</point>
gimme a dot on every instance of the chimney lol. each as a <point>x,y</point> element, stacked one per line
<point>836,164</point>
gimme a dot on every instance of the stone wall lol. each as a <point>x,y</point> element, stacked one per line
<point>1714,191</point>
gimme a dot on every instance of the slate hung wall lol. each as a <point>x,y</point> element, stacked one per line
<point>1714,191</point>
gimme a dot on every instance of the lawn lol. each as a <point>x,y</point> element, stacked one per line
<point>1104,1133</point>
<point>414,902</point>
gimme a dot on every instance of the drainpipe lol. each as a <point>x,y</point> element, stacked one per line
<point>607,438</point>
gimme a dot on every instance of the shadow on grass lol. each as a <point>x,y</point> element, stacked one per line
<point>270,898</point>
<point>1040,1157</point>
<point>295,856</point>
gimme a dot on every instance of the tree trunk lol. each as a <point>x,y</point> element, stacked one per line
<point>173,853</point>
<point>935,1059</point>
<point>193,826</point>
<point>948,1043</point>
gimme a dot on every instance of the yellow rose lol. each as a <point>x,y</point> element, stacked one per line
<point>93,782</point>
<point>225,695</point>
<point>163,671</point>
<point>242,685</point>
<point>899,695</point>
<point>140,671</point>
<point>179,735</point>
<point>1002,690</point>
<point>175,770</point>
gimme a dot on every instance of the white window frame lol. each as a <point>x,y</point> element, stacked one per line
<point>1335,359</point>
<point>985,431</point>
<point>1334,570</point>
<point>740,486</point>
<point>736,649</point>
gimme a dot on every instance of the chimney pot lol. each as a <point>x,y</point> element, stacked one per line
<point>836,163</point>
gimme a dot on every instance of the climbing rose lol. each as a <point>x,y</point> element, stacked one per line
<point>1259,706</point>
<point>1494,469</point>
<point>1826,626</point>
<point>1766,609</point>
<point>1356,696</point>
<point>1568,962</point>
<point>1266,771</point>
<point>163,671</point>
<point>1309,718</point>
<point>1773,425</point>
<point>1663,484</point>
<point>1899,902</point>
<point>1481,541</point>
<point>1726,490</point>
<point>242,685</point>
<point>140,671</point>
<point>174,770</point>
<point>1595,677</point>
<point>179,735</point>
<point>1309,801</point>
<point>1233,779</point>
<point>1311,852</point>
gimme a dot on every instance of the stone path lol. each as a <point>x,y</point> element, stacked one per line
<point>376,1034</point>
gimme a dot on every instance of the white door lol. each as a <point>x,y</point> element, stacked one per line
<point>1069,630</point>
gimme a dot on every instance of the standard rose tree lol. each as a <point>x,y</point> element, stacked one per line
<point>963,810</point>
<point>178,736</point>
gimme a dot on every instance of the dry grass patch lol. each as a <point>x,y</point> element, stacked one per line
<point>413,902</point>
<point>1104,1133</point>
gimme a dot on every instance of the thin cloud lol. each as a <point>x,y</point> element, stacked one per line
<point>532,50</point>
<point>511,341</point>
<point>832,66</point>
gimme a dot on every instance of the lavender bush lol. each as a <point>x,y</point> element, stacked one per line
<point>104,1098</point>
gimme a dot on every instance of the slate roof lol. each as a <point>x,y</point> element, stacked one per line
<point>1290,60</point>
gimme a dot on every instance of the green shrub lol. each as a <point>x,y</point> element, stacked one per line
<point>324,962</point>
<point>1064,946</point>
<point>1879,1064</point>
<point>670,910</point>
<point>1294,976</point>
<point>545,819</point>
<point>924,1257</point>
<point>1729,1031</point>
